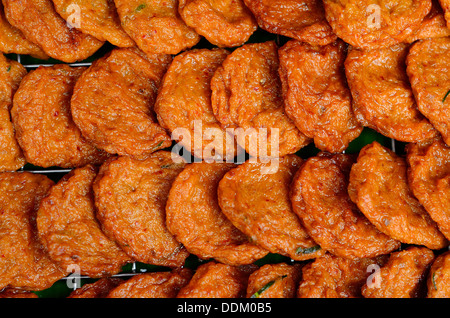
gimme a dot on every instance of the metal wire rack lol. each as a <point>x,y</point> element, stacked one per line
<point>74,280</point>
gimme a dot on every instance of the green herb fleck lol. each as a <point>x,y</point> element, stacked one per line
<point>445,97</point>
<point>266,286</point>
<point>8,69</point>
<point>158,145</point>
<point>433,280</point>
<point>308,250</point>
<point>140,7</point>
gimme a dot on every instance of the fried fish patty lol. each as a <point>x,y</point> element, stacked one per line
<point>217,280</point>
<point>184,105</point>
<point>25,263</point>
<point>254,196</point>
<point>12,40</point>
<point>194,217</point>
<point>331,276</point>
<point>42,118</point>
<point>227,23</point>
<point>373,24</point>
<point>98,18</point>
<point>112,103</point>
<point>42,25</point>
<point>153,285</point>
<point>379,187</point>
<point>278,280</point>
<point>156,26</point>
<point>427,67</point>
<point>69,230</point>
<point>319,197</point>
<point>402,276</point>
<point>429,179</point>
<point>11,74</point>
<point>99,289</point>
<point>303,20</point>
<point>131,196</point>
<point>446,6</point>
<point>316,95</point>
<point>382,96</point>
<point>247,97</point>
<point>438,280</point>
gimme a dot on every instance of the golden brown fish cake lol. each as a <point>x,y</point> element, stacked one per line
<point>402,276</point>
<point>382,96</point>
<point>438,280</point>
<point>379,187</point>
<point>17,293</point>
<point>254,196</point>
<point>374,24</point>
<point>279,280</point>
<point>184,106</point>
<point>446,6</point>
<point>12,40</point>
<point>433,25</point>
<point>153,285</point>
<point>319,197</point>
<point>303,20</point>
<point>99,289</point>
<point>98,18</point>
<point>331,276</point>
<point>217,280</point>
<point>227,23</point>
<point>42,25</point>
<point>131,196</point>
<point>427,67</point>
<point>316,95</point>
<point>11,74</point>
<point>156,26</point>
<point>42,118</point>
<point>70,232</point>
<point>112,103</point>
<point>194,217</point>
<point>429,179</point>
<point>247,98</point>
<point>25,263</point>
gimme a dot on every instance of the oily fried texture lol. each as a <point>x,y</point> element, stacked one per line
<point>303,20</point>
<point>446,6</point>
<point>131,196</point>
<point>216,280</point>
<point>153,285</point>
<point>25,263</point>
<point>247,97</point>
<point>375,24</point>
<point>184,106</point>
<point>12,40</point>
<point>429,179</point>
<point>226,23</point>
<point>17,293</point>
<point>194,217</point>
<point>427,66</point>
<point>11,74</point>
<point>379,187</point>
<point>255,198</point>
<point>43,122</point>
<point>319,197</point>
<point>112,103</point>
<point>336,277</point>
<point>279,280</point>
<point>98,18</point>
<point>382,96</point>
<point>438,280</point>
<point>433,25</point>
<point>156,26</point>
<point>403,276</point>
<point>69,230</point>
<point>316,95</point>
<point>41,24</point>
<point>99,289</point>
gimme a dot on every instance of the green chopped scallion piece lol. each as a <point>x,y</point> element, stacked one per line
<point>445,97</point>
<point>308,250</point>
<point>266,286</point>
<point>140,7</point>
